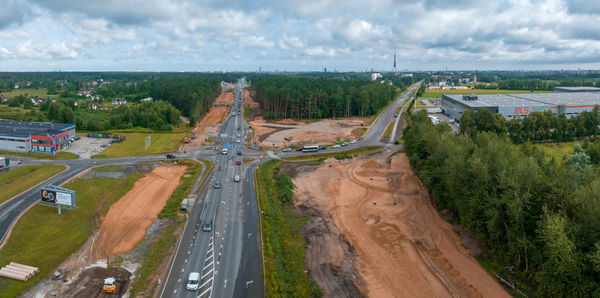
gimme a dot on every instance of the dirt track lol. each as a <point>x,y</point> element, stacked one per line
<point>89,283</point>
<point>211,122</point>
<point>402,246</point>
<point>128,219</point>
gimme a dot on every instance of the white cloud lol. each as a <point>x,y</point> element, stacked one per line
<point>319,51</point>
<point>256,42</point>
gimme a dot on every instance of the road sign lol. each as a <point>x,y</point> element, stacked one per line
<point>227,146</point>
<point>147,142</point>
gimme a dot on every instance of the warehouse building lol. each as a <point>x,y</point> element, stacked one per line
<point>518,105</point>
<point>576,89</point>
<point>20,136</point>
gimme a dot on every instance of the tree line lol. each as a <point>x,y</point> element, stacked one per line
<point>313,98</point>
<point>537,126</point>
<point>538,216</point>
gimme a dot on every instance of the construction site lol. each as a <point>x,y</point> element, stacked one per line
<point>211,122</point>
<point>373,231</point>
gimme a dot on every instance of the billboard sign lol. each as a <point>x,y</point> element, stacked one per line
<point>58,196</point>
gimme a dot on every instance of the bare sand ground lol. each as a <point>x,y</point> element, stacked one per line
<point>288,132</point>
<point>211,122</point>
<point>128,219</point>
<point>402,245</point>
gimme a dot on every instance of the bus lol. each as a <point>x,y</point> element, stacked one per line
<point>310,148</point>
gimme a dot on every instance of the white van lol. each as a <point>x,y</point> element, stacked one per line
<point>193,281</point>
<point>224,151</point>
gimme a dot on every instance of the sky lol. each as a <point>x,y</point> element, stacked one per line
<point>298,35</point>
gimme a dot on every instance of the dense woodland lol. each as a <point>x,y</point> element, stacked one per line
<point>537,126</point>
<point>312,98</point>
<point>540,219</point>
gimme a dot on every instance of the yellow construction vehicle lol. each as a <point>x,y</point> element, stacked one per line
<point>110,285</point>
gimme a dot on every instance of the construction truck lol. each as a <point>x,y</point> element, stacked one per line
<point>186,140</point>
<point>4,162</point>
<point>110,285</point>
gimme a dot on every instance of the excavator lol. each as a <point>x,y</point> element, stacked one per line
<point>110,285</point>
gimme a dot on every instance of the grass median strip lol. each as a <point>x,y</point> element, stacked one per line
<point>388,130</point>
<point>20,179</point>
<point>284,246</point>
<point>44,239</point>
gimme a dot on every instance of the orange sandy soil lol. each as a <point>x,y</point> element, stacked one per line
<point>403,250</point>
<point>128,219</point>
<point>211,122</point>
<point>290,132</point>
<point>249,100</point>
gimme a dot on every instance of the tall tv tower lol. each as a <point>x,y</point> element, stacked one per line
<point>394,61</point>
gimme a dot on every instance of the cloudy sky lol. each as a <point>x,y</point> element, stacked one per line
<point>202,35</point>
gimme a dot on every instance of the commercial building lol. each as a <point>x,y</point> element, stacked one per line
<point>20,136</point>
<point>518,105</point>
<point>576,89</point>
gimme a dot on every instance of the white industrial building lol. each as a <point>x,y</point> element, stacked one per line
<point>518,105</point>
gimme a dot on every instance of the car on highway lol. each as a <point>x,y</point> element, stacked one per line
<point>336,147</point>
<point>239,162</point>
<point>344,144</point>
<point>218,184</point>
<point>288,149</point>
<point>299,149</point>
<point>193,281</point>
<point>236,178</point>
<point>207,225</point>
<point>239,152</point>
<point>322,147</point>
<point>224,151</point>
<point>237,141</point>
<point>353,142</point>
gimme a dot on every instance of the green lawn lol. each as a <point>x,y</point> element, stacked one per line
<point>7,112</point>
<point>161,142</point>
<point>57,156</point>
<point>21,179</point>
<point>29,92</point>
<point>438,93</point>
<point>44,239</point>
<point>388,130</point>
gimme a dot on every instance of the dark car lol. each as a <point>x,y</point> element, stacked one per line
<point>207,225</point>
<point>322,147</point>
<point>239,152</point>
<point>217,184</point>
<point>170,155</point>
<point>239,162</point>
<point>299,149</point>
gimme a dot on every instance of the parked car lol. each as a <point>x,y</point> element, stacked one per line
<point>288,149</point>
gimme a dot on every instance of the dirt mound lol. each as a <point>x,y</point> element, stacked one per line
<point>128,219</point>
<point>226,97</point>
<point>89,283</point>
<point>396,240</point>
<point>211,122</point>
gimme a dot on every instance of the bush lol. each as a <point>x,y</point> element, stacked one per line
<point>286,188</point>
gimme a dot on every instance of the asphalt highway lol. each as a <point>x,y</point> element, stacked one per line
<point>228,257</point>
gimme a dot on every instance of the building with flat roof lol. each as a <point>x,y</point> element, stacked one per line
<point>576,89</point>
<point>518,105</point>
<point>21,136</point>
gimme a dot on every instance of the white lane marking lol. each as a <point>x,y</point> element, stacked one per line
<point>179,280</point>
<point>182,270</point>
<point>186,260</point>
<point>206,291</point>
<point>207,281</point>
<point>225,286</point>
<point>207,273</point>
<point>175,291</point>
<point>207,266</point>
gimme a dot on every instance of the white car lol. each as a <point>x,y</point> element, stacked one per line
<point>336,146</point>
<point>353,142</point>
<point>193,281</point>
<point>236,178</point>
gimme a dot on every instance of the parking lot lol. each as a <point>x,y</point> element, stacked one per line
<point>85,146</point>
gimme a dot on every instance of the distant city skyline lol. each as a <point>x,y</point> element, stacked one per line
<point>182,35</point>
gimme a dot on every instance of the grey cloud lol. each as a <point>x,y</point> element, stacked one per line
<point>13,12</point>
<point>584,6</point>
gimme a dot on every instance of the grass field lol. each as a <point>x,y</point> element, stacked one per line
<point>559,151</point>
<point>57,156</point>
<point>438,93</point>
<point>29,92</point>
<point>388,130</point>
<point>284,246</point>
<point>16,113</point>
<point>21,179</point>
<point>161,142</point>
<point>44,239</point>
